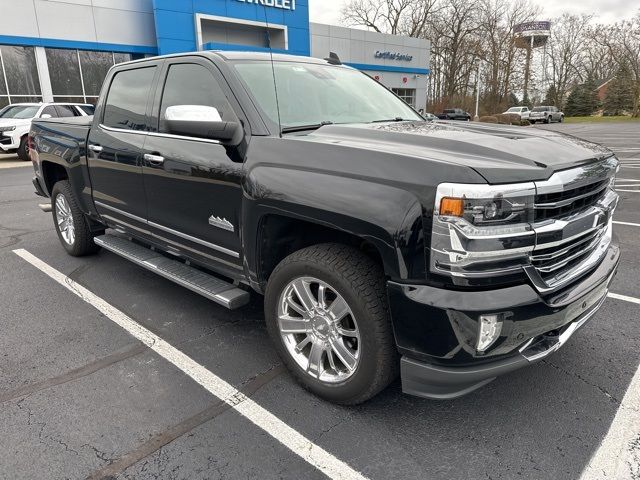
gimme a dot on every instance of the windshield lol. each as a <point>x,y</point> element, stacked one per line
<point>19,112</point>
<point>514,109</point>
<point>540,109</point>
<point>312,94</point>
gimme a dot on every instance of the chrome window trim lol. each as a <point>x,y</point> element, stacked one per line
<point>212,246</point>
<point>161,135</point>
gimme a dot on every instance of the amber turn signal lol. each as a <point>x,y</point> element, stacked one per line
<point>452,207</point>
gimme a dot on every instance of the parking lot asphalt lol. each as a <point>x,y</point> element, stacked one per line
<point>80,397</point>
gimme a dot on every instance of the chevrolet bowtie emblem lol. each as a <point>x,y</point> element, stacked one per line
<point>222,223</point>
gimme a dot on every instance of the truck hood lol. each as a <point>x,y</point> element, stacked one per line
<point>18,122</point>
<point>500,154</point>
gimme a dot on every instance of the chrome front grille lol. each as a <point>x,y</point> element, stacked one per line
<point>573,224</point>
<point>568,202</point>
<point>548,261</point>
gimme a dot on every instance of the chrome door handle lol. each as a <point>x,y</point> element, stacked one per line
<point>95,148</point>
<point>154,159</point>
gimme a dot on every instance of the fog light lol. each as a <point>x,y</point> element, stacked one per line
<point>489,331</point>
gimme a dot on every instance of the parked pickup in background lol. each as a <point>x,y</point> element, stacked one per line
<point>522,111</point>
<point>15,122</point>
<point>546,114</point>
<point>383,244</point>
<point>454,114</point>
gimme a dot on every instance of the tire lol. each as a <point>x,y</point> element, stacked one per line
<point>360,282</point>
<point>76,236</point>
<point>548,120</point>
<point>562,119</point>
<point>23,149</point>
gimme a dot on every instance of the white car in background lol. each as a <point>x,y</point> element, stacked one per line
<point>524,112</point>
<point>15,122</point>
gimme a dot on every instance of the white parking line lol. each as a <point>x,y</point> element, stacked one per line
<point>290,438</point>
<point>626,298</point>
<point>627,223</point>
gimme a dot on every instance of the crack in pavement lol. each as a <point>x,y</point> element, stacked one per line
<point>74,374</point>
<point>579,377</point>
<point>248,388</point>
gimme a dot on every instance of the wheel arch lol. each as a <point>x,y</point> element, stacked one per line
<point>286,210</point>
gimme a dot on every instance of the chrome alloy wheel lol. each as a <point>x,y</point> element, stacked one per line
<point>319,329</point>
<point>64,217</point>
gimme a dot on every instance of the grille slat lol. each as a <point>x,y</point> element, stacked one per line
<point>566,203</point>
<point>553,262</point>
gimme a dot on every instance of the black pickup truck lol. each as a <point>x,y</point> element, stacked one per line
<point>383,244</point>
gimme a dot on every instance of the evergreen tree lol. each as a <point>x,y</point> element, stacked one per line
<point>551,95</point>
<point>514,101</point>
<point>583,100</point>
<point>619,96</point>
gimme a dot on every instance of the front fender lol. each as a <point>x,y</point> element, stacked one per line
<point>389,218</point>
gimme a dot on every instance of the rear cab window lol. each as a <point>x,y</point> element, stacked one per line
<point>126,104</point>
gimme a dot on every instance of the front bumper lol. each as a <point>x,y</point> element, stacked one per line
<point>8,142</point>
<point>436,329</point>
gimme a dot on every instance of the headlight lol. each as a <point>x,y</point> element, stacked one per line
<point>482,230</point>
<point>7,129</point>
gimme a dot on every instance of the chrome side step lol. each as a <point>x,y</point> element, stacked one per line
<point>208,286</point>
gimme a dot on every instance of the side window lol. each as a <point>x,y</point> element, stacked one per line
<point>193,84</point>
<point>66,111</point>
<point>88,109</point>
<point>126,103</point>
<point>50,110</point>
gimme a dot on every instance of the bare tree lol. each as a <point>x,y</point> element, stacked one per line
<point>623,42</point>
<point>398,17</point>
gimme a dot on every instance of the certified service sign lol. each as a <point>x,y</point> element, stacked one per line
<point>283,4</point>
<point>394,56</point>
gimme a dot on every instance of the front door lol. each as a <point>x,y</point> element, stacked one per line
<point>193,185</point>
<point>115,149</point>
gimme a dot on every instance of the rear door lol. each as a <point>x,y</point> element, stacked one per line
<point>115,147</point>
<point>193,185</point>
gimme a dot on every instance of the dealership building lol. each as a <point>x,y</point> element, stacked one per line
<point>61,50</point>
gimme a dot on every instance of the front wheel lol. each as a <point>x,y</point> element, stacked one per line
<point>23,149</point>
<point>71,224</point>
<point>548,120</point>
<point>326,311</point>
<point>561,119</point>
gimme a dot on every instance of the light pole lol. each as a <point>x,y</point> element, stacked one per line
<point>477,117</point>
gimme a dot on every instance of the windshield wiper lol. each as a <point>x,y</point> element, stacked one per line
<point>395,119</point>
<point>302,128</point>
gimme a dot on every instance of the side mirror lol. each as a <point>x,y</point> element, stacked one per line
<point>199,121</point>
<point>45,115</point>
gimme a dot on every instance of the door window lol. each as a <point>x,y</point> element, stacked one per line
<point>50,110</point>
<point>126,103</point>
<point>193,84</point>
<point>66,111</point>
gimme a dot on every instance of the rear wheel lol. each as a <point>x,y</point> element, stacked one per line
<point>23,149</point>
<point>71,224</point>
<point>326,311</point>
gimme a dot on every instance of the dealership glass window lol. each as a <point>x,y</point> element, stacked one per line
<point>126,103</point>
<point>19,81</point>
<point>406,94</point>
<point>95,66</point>
<point>77,75</point>
<point>64,71</point>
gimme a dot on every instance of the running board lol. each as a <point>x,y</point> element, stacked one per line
<point>224,293</point>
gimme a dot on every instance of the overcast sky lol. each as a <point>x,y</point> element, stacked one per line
<point>328,11</point>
